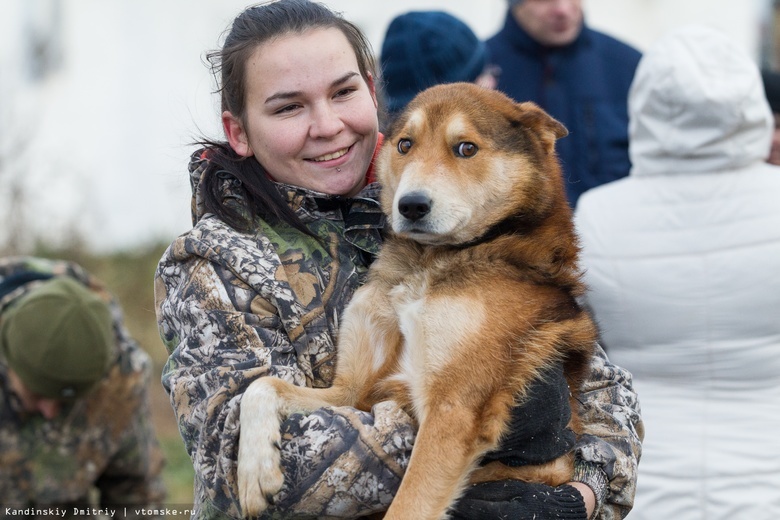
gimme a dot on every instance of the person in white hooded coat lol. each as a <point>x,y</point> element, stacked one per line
<point>682,260</point>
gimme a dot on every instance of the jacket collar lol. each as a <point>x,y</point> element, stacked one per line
<point>299,199</point>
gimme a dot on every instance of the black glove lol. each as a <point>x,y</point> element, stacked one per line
<point>538,427</point>
<point>519,501</point>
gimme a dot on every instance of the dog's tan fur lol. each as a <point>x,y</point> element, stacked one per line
<point>464,307</point>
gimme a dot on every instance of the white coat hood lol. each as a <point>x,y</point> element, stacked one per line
<point>697,104</point>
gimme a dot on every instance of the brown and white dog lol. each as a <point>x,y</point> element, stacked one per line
<point>471,298</point>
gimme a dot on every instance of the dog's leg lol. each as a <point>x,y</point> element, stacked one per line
<point>259,476</point>
<point>445,451</point>
<point>265,404</point>
<point>554,473</point>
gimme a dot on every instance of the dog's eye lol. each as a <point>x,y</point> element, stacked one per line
<point>466,149</point>
<point>404,145</point>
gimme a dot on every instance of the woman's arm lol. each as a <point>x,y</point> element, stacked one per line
<point>337,462</point>
<point>612,437</point>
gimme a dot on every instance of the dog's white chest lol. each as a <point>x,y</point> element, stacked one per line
<point>435,327</point>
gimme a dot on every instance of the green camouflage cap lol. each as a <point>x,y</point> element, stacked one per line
<point>58,339</point>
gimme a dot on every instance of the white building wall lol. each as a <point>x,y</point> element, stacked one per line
<point>639,22</point>
<point>101,144</point>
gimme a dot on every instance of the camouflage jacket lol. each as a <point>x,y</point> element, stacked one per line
<point>101,451</point>
<point>235,306</point>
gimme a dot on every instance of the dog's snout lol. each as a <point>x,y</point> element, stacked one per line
<point>414,206</point>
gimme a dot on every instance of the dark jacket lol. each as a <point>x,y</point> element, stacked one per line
<point>585,86</point>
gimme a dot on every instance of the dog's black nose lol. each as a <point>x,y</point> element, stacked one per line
<point>414,206</point>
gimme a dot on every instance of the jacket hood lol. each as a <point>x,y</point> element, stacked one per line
<point>697,104</point>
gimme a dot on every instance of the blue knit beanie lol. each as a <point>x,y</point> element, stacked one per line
<point>425,48</point>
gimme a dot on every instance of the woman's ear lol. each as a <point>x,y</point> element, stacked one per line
<point>372,88</point>
<point>236,135</point>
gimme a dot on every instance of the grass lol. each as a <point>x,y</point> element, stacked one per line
<point>178,470</point>
<point>129,276</point>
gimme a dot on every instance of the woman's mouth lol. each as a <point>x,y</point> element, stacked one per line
<point>330,156</point>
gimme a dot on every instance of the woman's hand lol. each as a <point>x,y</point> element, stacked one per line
<point>521,500</point>
<point>587,495</point>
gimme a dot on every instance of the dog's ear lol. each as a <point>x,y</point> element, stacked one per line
<point>549,129</point>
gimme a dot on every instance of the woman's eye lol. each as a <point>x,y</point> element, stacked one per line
<point>466,149</point>
<point>345,92</point>
<point>286,108</point>
<point>404,145</point>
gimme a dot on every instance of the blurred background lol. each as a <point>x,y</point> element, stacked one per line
<point>100,100</point>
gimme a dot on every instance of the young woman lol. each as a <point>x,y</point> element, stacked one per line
<point>285,225</point>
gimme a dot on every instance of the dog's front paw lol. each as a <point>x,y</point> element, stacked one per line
<point>259,476</point>
<point>259,450</point>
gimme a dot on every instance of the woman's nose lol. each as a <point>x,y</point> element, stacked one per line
<point>326,121</point>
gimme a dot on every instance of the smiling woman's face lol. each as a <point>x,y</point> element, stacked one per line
<point>311,118</point>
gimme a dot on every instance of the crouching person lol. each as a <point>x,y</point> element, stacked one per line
<point>76,437</point>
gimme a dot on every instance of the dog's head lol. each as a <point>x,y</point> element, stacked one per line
<point>462,158</point>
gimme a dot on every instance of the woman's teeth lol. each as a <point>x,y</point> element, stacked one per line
<point>331,156</point>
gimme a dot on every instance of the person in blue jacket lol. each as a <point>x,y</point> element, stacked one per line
<point>548,55</point>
